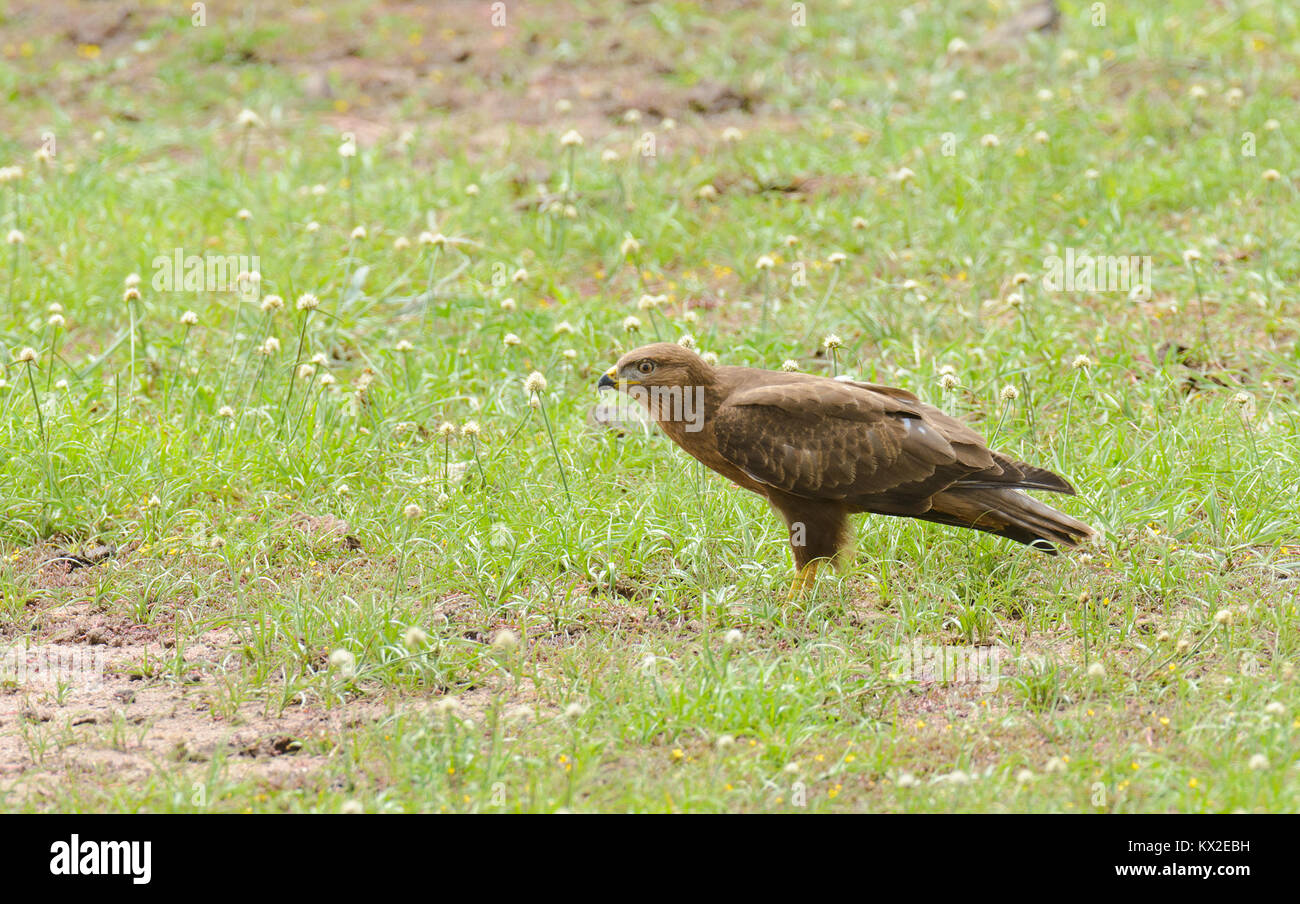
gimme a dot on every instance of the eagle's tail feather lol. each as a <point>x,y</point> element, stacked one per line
<point>1008,513</point>
<point>1012,473</point>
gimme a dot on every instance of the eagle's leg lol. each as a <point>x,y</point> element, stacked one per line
<point>819,530</point>
<point>804,579</point>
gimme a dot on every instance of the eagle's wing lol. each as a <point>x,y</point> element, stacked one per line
<point>845,441</point>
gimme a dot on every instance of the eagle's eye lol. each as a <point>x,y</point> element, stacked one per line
<point>646,367</point>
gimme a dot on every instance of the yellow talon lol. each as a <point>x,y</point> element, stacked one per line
<point>803,580</point>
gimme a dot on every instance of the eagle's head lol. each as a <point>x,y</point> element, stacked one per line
<point>660,364</point>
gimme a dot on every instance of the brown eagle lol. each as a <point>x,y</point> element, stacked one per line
<point>819,450</point>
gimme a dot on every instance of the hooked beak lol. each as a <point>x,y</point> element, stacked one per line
<point>607,379</point>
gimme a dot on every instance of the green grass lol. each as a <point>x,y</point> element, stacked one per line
<point>617,564</point>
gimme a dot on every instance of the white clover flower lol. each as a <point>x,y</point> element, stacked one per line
<point>1197,92</point>
<point>1234,96</point>
<point>1191,255</point>
<point>948,382</point>
<point>415,638</point>
<point>403,346</point>
<point>609,155</point>
<point>629,247</point>
<point>189,318</point>
<point>706,192</point>
<point>1054,764</point>
<point>764,262</point>
<point>990,140</point>
<point>243,214</point>
<point>15,237</point>
<point>318,190</point>
<point>860,223</point>
<point>510,339</point>
<point>1223,617</point>
<point>1015,300</point>
<point>1275,708</point>
<point>837,258</point>
<point>831,341</point>
<point>631,324</point>
<point>401,243</point>
<point>247,119</point>
<point>471,189</point>
<point>519,275</point>
<point>904,175</point>
<point>1096,671</point>
<point>27,355</point>
<point>56,320</point>
<point>647,302</point>
<point>790,241</point>
<point>571,139</point>
<point>1041,137</point>
<point>1258,762</point>
<point>312,226</point>
<point>10,173</point>
<point>343,662</point>
<point>1024,777</point>
<point>563,327</point>
<point>359,233</point>
<point>508,304</point>
<point>731,134</point>
<point>632,116</point>
<point>686,341</point>
<point>306,371</point>
<point>956,95</point>
<point>569,354</point>
<point>1020,279</point>
<point>789,365</point>
<point>307,302</point>
<point>1270,175</point>
<point>271,303</point>
<point>505,640</point>
<point>957,45</point>
<point>732,637</point>
<point>469,428</point>
<point>327,380</point>
<point>906,780</point>
<point>412,511</point>
<point>709,358</point>
<point>131,294</point>
<point>1009,393</point>
<point>348,148</point>
<point>446,428</point>
<point>225,411</point>
<point>343,489</point>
